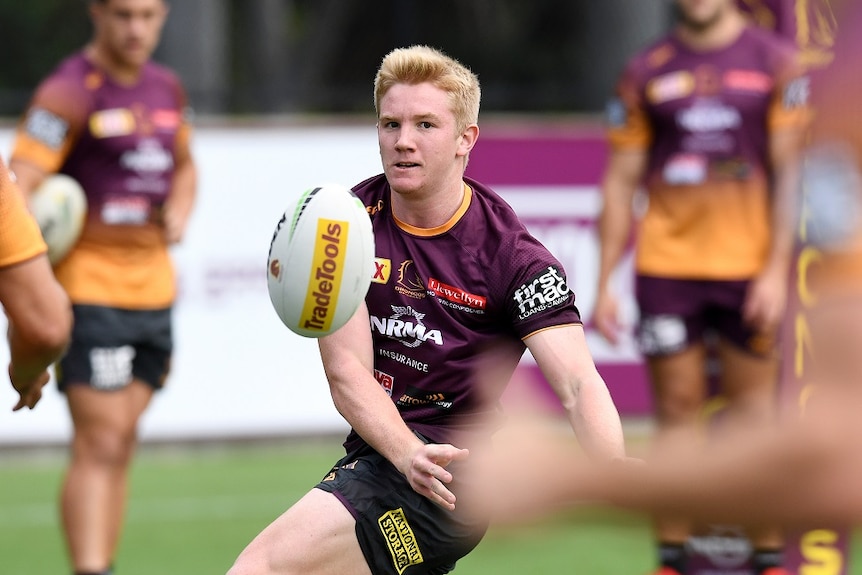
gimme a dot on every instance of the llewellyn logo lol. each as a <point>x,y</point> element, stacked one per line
<point>327,269</point>
<point>400,539</point>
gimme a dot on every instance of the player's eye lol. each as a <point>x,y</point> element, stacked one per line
<point>426,125</point>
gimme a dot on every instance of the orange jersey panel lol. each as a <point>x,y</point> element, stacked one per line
<point>20,238</point>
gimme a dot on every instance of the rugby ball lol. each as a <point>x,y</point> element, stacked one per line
<point>321,259</point>
<point>59,206</point>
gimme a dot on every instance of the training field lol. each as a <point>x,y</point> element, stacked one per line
<point>192,509</point>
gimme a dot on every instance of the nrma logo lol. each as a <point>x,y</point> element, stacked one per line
<point>410,330</point>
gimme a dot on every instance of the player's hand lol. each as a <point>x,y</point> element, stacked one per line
<point>606,317</point>
<point>427,472</point>
<point>173,225</point>
<point>765,301</point>
<point>29,391</point>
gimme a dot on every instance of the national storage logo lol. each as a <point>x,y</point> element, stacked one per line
<point>400,539</point>
<point>327,271</point>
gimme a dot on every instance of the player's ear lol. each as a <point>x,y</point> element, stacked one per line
<point>468,139</point>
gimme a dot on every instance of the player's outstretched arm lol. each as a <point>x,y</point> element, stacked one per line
<point>40,321</point>
<point>347,356</point>
<point>565,361</point>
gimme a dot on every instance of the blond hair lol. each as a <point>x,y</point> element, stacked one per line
<point>418,64</point>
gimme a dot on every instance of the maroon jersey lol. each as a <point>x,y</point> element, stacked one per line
<point>450,307</point>
<point>121,143</point>
<point>706,118</point>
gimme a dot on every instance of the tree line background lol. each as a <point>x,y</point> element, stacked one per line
<point>262,57</point>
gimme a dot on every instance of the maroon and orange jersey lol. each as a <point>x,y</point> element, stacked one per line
<point>450,306</point>
<point>20,238</point>
<point>121,143</point>
<point>810,24</point>
<point>705,119</point>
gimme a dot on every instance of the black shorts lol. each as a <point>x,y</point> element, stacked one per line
<point>674,313</point>
<point>400,532</point>
<point>112,346</point>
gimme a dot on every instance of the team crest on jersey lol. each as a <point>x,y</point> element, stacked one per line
<point>112,123</point>
<point>544,291</point>
<point>382,270</point>
<point>400,539</point>
<point>408,281</point>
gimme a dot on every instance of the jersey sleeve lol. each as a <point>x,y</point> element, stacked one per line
<point>790,106</point>
<point>628,125</point>
<point>538,294</point>
<point>52,122</point>
<point>20,238</point>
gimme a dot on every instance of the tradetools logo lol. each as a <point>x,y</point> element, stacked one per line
<point>544,291</point>
<point>400,539</point>
<point>327,268</point>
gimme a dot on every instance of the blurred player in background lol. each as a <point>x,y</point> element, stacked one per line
<point>37,308</point>
<point>461,290</point>
<point>709,120</point>
<point>116,122</point>
<point>810,24</point>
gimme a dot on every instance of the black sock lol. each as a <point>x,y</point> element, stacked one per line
<point>672,555</point>
<point>764,559</point>
<point>108,571</point>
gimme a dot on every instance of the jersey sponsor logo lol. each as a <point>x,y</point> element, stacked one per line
<point>327,269</point>
<point>403,359</point>
<point>126,210</point>
<point>411,332</point>
<point>150,157</point>
<point>166,120</point>
<point>672,86</point>
<point>456,295</point>
<point>685,169</point>
<point>400,539</point>
<point>796,93</point>
<point>46,127</point>
<point>372,210</point>
<point>382,270</point>
<point>709,117</point>
<point>385,380</point>
<point>415,397</point>
<point>725,547</point>
<point>111,367</point>
<point>748,81</point>
<point>112,123</point>
<point>409,283</point>
<point>544,291</point>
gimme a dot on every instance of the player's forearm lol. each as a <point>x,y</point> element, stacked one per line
<point>31,356</point>
<point>596,421</point>
<point>615,222</point>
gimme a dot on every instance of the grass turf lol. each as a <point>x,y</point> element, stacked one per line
<point>192,510</point>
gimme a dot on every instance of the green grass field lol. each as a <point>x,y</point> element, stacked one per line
<point>192,509</point>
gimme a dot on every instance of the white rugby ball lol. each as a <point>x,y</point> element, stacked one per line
<point>59,206</point>
<point>321,260</point>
